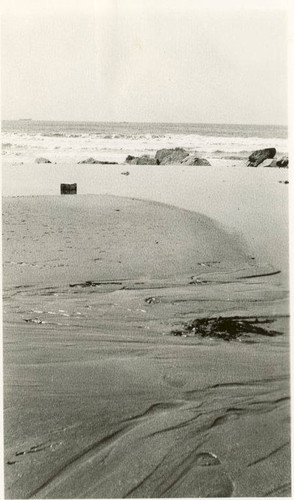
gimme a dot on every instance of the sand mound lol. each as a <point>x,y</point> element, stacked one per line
<point>86,238</point>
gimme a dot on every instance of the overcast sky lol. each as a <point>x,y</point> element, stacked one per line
<point>144,60</point>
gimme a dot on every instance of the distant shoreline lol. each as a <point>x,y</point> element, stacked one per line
<point>148,123</point>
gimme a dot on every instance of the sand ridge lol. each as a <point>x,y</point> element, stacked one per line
<point>94,237</point>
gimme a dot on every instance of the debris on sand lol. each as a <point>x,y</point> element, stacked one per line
<point>225,328</point>
<point>206,459</point>
<point>87,284</point>
<point>125,173</point>
<point>38,321</point>
<point>152,300</point>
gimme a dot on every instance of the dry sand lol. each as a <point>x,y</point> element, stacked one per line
<point>100,400</point>
<point>251,201</point>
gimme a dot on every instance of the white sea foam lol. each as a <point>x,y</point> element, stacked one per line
<point>71,144</point>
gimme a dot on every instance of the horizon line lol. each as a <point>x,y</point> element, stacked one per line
<point>147,122</point>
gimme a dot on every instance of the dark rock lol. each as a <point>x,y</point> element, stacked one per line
<point>260,155</point>
<point>146,160</point>
<point>140,160</point>
<point>130,158</point>
<point>195,160</point>
<point>42,160</point>
<point>269,162</point>
<point>89,161</point>
<point>169,156</point>
<point>283,162</point>
<point>225,328</point>
<point>92,161</point>
<point>276,163</point>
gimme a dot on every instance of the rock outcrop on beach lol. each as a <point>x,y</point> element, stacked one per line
<point>167,157</point>
<point>195,160</point>
<point>140,160</point>
<point>42,160</point>
<point>276,163</point>
<point>260,155</point>
<point>265,158</point>
<point>269,162</point>
<point>92,161</point>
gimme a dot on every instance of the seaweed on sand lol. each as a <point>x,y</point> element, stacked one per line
<point>225,328</point>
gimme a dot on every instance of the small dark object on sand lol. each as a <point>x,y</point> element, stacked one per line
<point>68,188</point>
<point>224,328</point>
<point>86,284</point>
<point>125,173</point>
<point>38,321</point>
<point>152,300</point>
<point>207,459</point>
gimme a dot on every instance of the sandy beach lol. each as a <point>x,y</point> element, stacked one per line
<point>145,249</point>
<point>249,202</point>
<point>101,399</point>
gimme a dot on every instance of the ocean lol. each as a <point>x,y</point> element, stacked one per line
<point>25,140</point>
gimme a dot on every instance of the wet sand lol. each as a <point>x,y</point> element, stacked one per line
<point>101,401</point>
